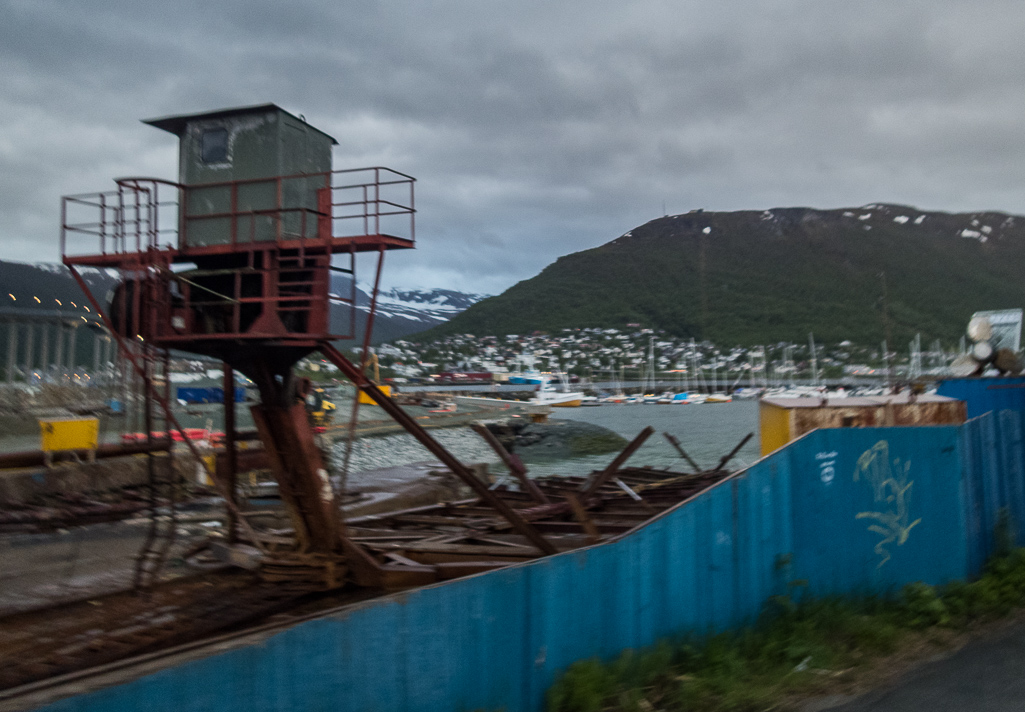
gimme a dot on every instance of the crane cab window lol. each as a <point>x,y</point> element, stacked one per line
<point>214,146</point>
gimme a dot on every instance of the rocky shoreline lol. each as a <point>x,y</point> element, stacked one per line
<point>556,439</point>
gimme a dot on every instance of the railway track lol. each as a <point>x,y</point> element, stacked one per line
<point>125,633</point>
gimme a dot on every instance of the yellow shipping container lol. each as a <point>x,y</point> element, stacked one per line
<point>69,434</point>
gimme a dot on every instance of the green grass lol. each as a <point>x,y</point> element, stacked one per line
<point>795,648</point>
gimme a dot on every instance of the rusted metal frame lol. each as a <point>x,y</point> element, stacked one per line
<point>363,359</point>
<point>412,213</point>
<point>361,243</point>
<point>514,464</point>
<point>147,382</point>
<point>400,209</point>
<point>732,453</point>
<point>64,227</point>
<point>229,445</point>
<point>262,212</point>
<point>377,201</point>
<point>154,216</point>
<point>137,209</point>
<point>366,222</point>
<point>162,401</point>
<point>33,458</point>
<point>609,472</point>
<point>152,554</point>
<point>364,169</point>
<point>119,233</point>
<point>676,444</point>
<point>269,420</point>
<point>173,495</point>
<point>417,431</point>
<point>286,487</point>
<point>152,200</point>
<point>352,290</point>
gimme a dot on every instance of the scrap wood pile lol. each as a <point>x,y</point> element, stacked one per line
<point>470,536</point>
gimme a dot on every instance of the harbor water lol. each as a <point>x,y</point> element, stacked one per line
<point>706,432</point>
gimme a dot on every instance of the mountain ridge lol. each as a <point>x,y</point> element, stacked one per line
<point>749,277</point>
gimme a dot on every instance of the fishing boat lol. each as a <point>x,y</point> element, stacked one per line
<point>548,394</point>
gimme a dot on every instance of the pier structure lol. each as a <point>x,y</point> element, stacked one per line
<point>50,345</point>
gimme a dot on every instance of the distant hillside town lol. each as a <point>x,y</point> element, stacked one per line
<point>639,353</point>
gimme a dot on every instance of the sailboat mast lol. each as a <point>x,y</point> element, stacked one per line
<point>651,360</point>
<point>814,360</point>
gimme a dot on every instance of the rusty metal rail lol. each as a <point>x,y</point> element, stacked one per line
<point>153,630</point>
<point>35,458</point>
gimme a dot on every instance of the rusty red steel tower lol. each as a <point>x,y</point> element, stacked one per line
<point>234,261</point>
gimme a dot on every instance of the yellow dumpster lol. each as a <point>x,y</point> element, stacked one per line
<point>59,434</point>
<point>786,419</point>
<point>364,399</point>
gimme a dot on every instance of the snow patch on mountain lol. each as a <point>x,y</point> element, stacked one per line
<point>431,306</point>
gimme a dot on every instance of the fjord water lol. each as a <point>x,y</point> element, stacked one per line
<point>706,432</point>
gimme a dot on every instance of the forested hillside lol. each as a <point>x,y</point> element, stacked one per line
<point>761,277</point>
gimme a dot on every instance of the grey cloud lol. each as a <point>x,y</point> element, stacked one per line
<point>534,128</point>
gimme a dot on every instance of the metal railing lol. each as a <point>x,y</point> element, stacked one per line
<point>329,209</point>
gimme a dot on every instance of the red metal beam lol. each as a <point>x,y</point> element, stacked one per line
<point>514,464</point>
<point>591,486</point>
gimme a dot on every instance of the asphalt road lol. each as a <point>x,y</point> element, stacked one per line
<point>987,675</point>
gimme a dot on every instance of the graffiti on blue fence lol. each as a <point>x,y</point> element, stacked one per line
<point>891,487</point>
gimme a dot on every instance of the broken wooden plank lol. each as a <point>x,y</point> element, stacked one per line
<point>621,458</point>
<point>733,452</point>
<point>515,464</point>
<point>676,444</point>
<point>585,520</point>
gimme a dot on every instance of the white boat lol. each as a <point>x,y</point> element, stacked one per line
<point>549,395</point>
<point>719,398</point>
<point>748,393</point>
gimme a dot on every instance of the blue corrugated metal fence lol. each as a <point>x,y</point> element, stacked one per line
<point>848,510</point>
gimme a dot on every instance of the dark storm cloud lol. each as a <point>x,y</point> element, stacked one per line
<point>534,128</point>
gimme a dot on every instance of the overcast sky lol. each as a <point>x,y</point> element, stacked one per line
<point>535,129</point>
